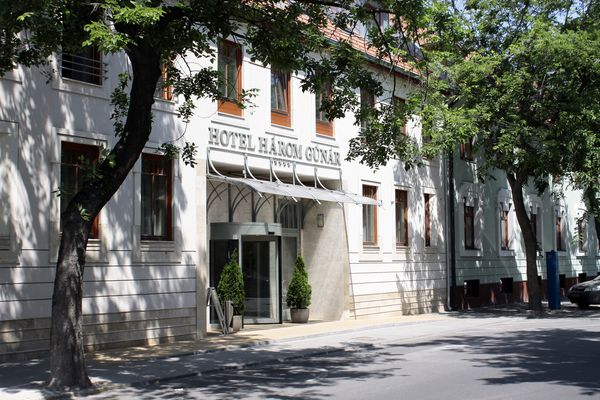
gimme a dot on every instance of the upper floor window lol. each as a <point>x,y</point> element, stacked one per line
<point>369,216</point>
<point>559,228</point>
<point>399,103</point>
<point>76,160</point>
<point>84,66</point>
<point>163,91</point>
<point>280,98</point>
<point>367,102</point>
<point>427,206</point>
<point>581,233</point>
<point>467,150</point>
<point>379,20</point>
<point>401,218</point>
<point>324,125</point>
<point>156,197</point>
<point>504,231</point>
<point>469,226</point>
<point>230,80</point>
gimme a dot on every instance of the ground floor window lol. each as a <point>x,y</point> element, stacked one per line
<point>156,197</point>
<point>401,218</point>
<point>76,163</point>
<point>369,216</point>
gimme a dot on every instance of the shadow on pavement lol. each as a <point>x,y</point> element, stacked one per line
<point>567,310</point>
<point>310,371</point>
<point>559,356</point>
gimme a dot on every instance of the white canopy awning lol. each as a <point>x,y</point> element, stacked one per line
<point>296,191</point>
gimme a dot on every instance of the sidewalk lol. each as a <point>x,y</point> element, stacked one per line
<point>142,365</point>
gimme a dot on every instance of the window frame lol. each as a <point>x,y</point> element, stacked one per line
<point>467,150</point>
<point>94,153</point>
<point>505,239</point>
<point>397,100</point>
<point>163,92</point>
<point>169,199</point>
<point>401,197</point>
<point>367,100</point>
<point>93,63</point>
<point>224,105</point>
<point>559,233</point>
<point>427,219</point>
<point>471,225</point>
<point>279,117</point>
<point>370,191</point>
<point>323,127</point>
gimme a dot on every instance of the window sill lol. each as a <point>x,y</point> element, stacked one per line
<point>506,253</point>
<point>158,251</point>
<point>371,248</point>
<point>163,105</point>
<point>471,253</point>
<point>80,87</point>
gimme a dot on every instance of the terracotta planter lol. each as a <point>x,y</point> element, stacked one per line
<point>299,315</point>
<point>236,323</point>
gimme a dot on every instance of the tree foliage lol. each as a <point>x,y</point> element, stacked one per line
<point>523,79</point>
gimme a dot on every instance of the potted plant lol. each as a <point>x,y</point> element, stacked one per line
<point>231,287</point>
<point>299,292</point>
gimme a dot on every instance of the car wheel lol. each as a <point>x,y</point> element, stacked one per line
<point>583,305</point>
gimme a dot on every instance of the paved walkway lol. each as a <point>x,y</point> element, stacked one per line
<point>144,364</point>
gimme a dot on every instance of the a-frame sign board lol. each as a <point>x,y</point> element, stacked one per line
<point>212,299</point>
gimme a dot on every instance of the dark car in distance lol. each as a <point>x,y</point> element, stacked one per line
<point>585,293</point>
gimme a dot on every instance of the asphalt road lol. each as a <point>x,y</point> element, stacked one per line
<point>482,355</point>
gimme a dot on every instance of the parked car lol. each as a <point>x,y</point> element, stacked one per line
<point>585,293</point>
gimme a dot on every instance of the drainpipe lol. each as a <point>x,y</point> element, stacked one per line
<point>451,234</point>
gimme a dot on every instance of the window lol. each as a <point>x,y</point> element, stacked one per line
<point>379,20</point>
<point>156,197</point>
<point>230,81</point>
<point>506,285</point>
<point>471,288</point>
<point>559,233</point>
<point>369,217</point>
<point>75,159</point>
<point>85,66</point>
<point>324,125</point>
<point>467,150</point>
<point>280,98</point>
<point>581,223</point>
<point>470,220</point>
<point>367,102</point>
<point>469,225</point>
<point>290,215</point>
<point>401,218</point>
<point>427,220</point>
<point>399,104</point>
<point>504,230</point>
<point>534,226</point>
<point>163,90</point>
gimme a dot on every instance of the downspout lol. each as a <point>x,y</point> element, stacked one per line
<point>451,242</point>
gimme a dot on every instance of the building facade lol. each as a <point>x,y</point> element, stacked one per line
<point>272,182</point>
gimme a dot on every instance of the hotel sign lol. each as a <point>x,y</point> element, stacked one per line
<point>273,146</point>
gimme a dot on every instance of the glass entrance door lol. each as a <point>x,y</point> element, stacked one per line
<point>260,266</point>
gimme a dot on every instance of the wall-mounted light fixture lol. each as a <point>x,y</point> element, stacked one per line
<point>320,220</point>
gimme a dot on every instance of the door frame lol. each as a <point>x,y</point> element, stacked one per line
<point>243,230</point>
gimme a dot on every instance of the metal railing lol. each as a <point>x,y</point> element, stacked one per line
<point>83,68</point>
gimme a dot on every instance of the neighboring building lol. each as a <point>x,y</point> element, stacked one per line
<point>271,181</point>
<point>489,248</point>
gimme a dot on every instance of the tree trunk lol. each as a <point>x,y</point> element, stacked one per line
<point>533,287</point>
<point>67,363</point>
